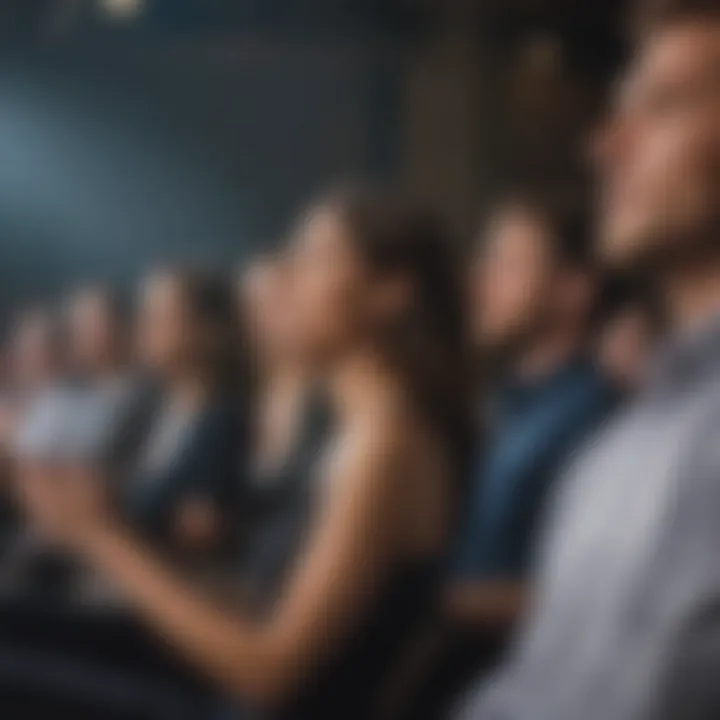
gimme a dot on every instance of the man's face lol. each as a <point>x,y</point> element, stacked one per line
<point>659,157</point>
<point>511,283</point>
<point>33,357</point>
<point>92,332</point>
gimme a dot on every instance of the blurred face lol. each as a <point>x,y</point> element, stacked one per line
<point>93,333</point>
<point>512,281</point>
<point>659,158</point>
<point>625,345</point>
<point>33,360</point>
<point>336,304</point>
<point>263,301</point>
<point>165,333</point>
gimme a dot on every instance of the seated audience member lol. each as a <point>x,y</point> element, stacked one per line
<point>106,402</point>
<point>626,625</point>
<point>183,490</point>
<point>533,292</point>
<point>7,406</point>
<point>289,429</point>
<point>532,295</point>
<point>376,303</point>
<point>36,375</point>
<point>83,417</point>
<point>627,338</point>
<point>36,419</point>
<point>35,358</point>
<point>7,425</point>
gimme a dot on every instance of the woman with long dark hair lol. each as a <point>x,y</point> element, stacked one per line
<point>186,476</point>
<point>376,303</point>
<point>289,425</point>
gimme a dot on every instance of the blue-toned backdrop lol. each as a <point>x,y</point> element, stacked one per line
<point>193,135</point>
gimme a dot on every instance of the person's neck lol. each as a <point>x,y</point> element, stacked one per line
<point>548,353</point>
<point>283,395</point>
<point>358,383</point>
<point>286,380</point>
<point>188,391</point>
<point>279,414</point>
<point>109,371</point>
<point>692,295</point>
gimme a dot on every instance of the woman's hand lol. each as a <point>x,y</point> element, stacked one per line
<point>67,503</point>
<point>197,526</point>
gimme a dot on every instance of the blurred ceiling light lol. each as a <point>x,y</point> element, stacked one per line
<point>122,9</point>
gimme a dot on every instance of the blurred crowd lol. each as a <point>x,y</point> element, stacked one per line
<point>378,475</point>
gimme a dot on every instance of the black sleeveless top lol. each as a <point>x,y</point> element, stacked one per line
<point>279,506</point>
<point>356,682</point>
<point>351,683</point>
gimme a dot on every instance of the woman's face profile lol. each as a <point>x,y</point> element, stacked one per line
<point>327,287</point>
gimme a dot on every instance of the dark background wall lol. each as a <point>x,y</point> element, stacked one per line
<point>193,130</point>
<point>176,143</point>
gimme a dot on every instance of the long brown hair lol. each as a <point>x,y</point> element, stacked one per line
<point>210,300</point>
<point>428,345</point>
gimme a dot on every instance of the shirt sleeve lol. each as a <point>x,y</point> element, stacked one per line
<point>42,434</point>
<point>685,686</point>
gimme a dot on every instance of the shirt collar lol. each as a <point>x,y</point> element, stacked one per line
<point>686,356</point>
<point>517,392</point>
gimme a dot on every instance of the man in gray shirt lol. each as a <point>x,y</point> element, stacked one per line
<point>96,416</point>
<point>85,417</point>
<point>626,619</point>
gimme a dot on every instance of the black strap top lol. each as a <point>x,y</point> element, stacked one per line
<point>350,685</point>
<point>355,683</point>
<point>280,508</point>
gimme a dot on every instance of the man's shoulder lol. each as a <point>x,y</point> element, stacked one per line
<point>702,417</point>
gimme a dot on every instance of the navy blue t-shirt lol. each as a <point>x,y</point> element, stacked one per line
<point>535,430</point>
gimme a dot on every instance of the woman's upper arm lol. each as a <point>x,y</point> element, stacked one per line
<point>347,558</point>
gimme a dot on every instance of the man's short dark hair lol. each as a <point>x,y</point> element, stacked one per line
<point>650,15</point>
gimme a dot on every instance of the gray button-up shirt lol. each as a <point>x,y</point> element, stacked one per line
<point>626,624</point>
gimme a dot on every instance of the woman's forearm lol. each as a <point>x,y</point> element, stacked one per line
<point>230,651</point>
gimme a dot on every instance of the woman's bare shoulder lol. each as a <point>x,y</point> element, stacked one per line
<point>370,448</point>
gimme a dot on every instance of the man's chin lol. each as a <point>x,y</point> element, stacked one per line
<point>625,251</point>
<point>498,348</point>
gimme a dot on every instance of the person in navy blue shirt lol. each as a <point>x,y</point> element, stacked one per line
<point>533,295</point>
